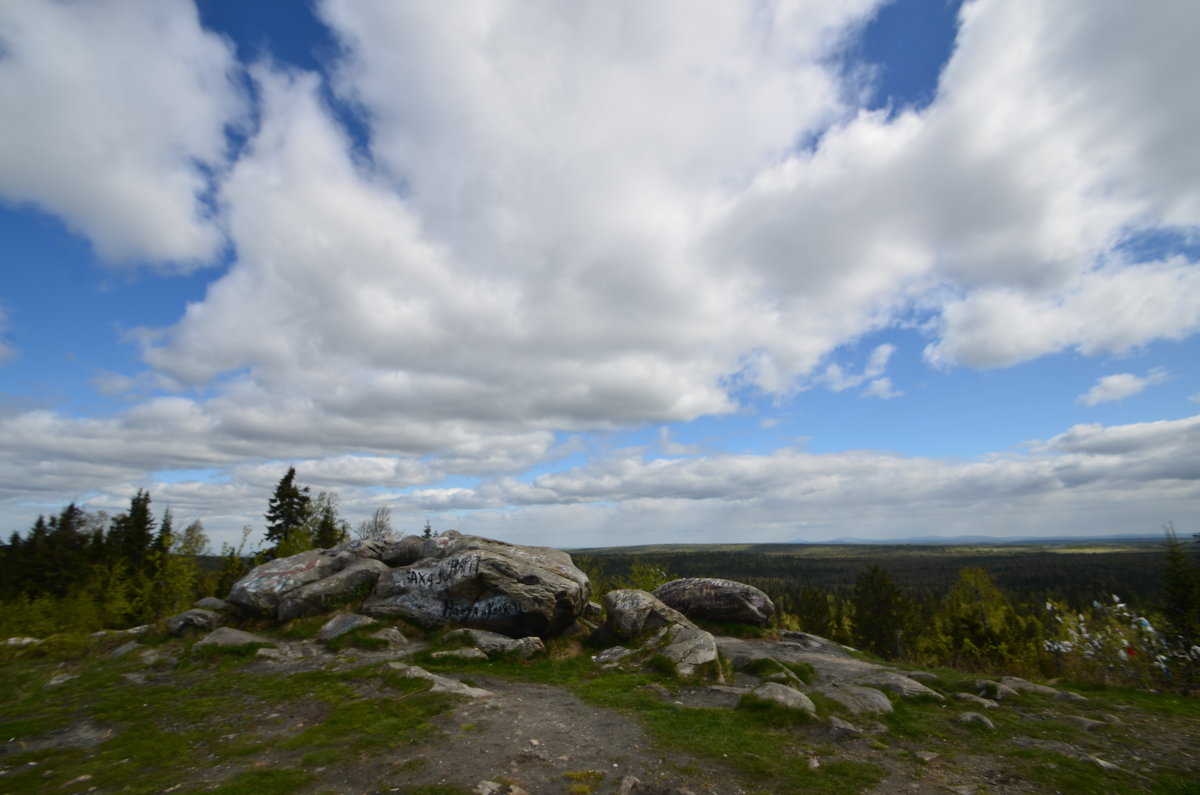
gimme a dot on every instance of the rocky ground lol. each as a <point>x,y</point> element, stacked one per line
<point>154,714</point>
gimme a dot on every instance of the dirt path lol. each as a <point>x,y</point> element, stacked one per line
<point>546,740</point>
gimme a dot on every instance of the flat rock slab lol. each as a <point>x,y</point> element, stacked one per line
<point>857,699</point>
<point>228,636</point>
<point>441,684</point>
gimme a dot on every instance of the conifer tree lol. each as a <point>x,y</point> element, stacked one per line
<point>879,613</point>
<point>287,509</point>
<point>132,533</point>
<point>326,528</point>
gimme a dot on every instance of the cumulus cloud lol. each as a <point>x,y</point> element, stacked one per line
<point>122,115</point>
<point>1121,386</point>
<point>602,217</point>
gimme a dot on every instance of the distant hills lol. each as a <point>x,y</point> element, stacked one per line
<point>994,540</point>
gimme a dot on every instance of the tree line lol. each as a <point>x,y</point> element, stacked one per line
<point>83,571</point>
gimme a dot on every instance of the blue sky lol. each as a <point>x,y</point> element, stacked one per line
<point>605,273</point>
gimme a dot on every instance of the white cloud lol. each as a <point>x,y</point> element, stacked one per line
<point>122,110</point>
<point>1121,386</point>
<point>603,217</point>
<point>882,388</point>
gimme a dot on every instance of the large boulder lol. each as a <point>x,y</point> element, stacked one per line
<point>711,599</point>
<point>449,579</point>
<point>630,613</point>
<point>480,583</point>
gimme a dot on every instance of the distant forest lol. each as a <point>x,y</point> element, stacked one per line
<point>1125,612</point>
<point>1074,573</point>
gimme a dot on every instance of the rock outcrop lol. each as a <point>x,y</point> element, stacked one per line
<point>480,583</point>
<point>475,582</point>
<point>633,614</point>
<point>710,599</point>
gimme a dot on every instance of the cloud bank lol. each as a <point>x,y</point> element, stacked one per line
<point>597,217</point>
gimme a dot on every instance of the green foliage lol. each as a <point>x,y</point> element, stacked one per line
<point>287,510</point>
<point>879,613</point>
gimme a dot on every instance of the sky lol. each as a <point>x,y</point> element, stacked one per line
<point>605,273</point>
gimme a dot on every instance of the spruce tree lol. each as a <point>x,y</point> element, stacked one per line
<point>879,613</point>
<point>287,509</point>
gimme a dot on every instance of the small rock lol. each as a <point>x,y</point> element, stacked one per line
<point>394,637</point>
<point>61,678</point>
<point>611,656</point>
<point>856,698</point>
<point>441,684</point>
<point>925,757</point>
<point>134,678</point>
<point>1068,695</point>
<point>124,648</point>
<point>341,624</point>
<point>813,763</point>
<point>1086,723</point>
<point>20,642</point>
<point>975,718</point>
<point>979,701</point>
<point>842,730</point>
<point>212,603</point>
<point>785,696</point>
<point>271,655</point>
<point>228,636</point>
<point>1104,764</point>
<point>1023,686</point>
<point>629,785</point>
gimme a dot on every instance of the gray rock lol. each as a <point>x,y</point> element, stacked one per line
<point>631,613</point>
<point>228,636</point>
<point>484,584</point>
<point>494,644</point>
<point>60,679</point>
<point>1023,686</point>
<point>612,655</point>
<point>785,696</point>
<point>212,603</point>
<point>341,624</point>
<point>974,718</point>
<point>689,647</point>
<point>1090,724</point>
<point>717,600</point>
<point>842,730</point>
<point>22,642</point>
<point>124,649</point>
<point>198,618</point>
<point>900,684</point>
<point>926,756</point>
<point>394,637</point>
<point>319,596</point>
<point>978,701</point>
<point>261,590</point>
<point>441,684</point>
<point>1069,695</point>
<point>857,698</point>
